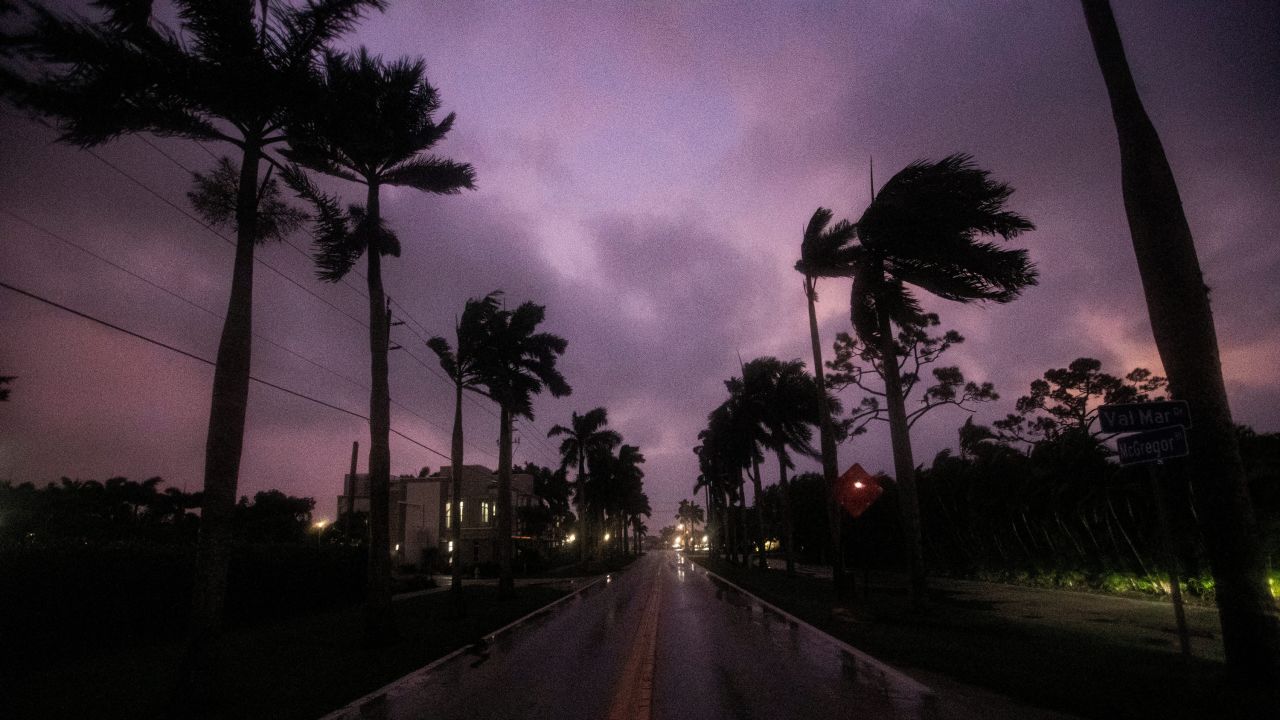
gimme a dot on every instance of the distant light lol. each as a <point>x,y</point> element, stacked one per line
<point>397,547</point>
<point>859,485</point>
<point>607,536</point>
<point>680,526</point>
<point>320,524</point>
<point>571,538</point>
<point>450,546</point>
<point>704,538</point>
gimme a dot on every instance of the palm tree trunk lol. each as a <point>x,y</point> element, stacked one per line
<point>379,623</point>
<point>506,584</point>
<point>455,507</point>
<point>583,534</point>
<point>830,463</point>
<point>755,483</point>
<point>786,513</point>
<point>1182,322</point>
<point>903,463</point>
<point>224,444</point>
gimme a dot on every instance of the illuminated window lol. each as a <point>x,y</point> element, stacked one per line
<point>484,512</point>
<point>448,515</point>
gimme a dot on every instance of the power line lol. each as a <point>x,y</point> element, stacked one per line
<point>538,440</point>
<point>216,315</point>
<point>206,361</point>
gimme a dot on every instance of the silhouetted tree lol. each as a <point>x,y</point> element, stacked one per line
<point>370,124</point>
<point>1067,400</point>
<point>5,381</point>
<point>822,249</point>
<point>1182,322</point>
<point>921,230</point>
<point>585,436</point>
<point>917,349</point>
<point>518,364</point>
<point>231,73</point>
<point>780,397</point>
<point>462,366</point>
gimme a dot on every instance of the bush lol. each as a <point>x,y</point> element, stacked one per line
<point>75,597</point>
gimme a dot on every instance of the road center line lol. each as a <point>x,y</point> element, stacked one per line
<point>633,696</point>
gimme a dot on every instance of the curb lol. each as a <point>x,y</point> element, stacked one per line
<point>894,676</point>
<point>352,709</point>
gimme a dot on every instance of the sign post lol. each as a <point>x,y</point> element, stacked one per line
<point>1159,433</point>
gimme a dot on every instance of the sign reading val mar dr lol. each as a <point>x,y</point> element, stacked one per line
<point>1160,427</point>
<point>1140,417</point>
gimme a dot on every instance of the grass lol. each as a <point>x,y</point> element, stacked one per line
<point>1060,667</point>
<point>302,667</point>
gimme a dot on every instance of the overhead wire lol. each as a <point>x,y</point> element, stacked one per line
<point>193,356</point>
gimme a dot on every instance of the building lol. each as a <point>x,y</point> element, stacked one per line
<point>415,515</point>
<point>421,529</point>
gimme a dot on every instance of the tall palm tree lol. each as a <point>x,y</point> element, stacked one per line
<point>520,363</point>
<point>473,333</point>
<point>233,73</point>
<point>585,436</point>
<point>822,247</point>
<point>374,124</point>
<point>784,400</point>
<point>745,423</point>
<point>628,488</point>
<point>922,230</point>
<point>1182,322</point>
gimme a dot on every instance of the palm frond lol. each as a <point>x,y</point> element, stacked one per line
<point>433,175</point>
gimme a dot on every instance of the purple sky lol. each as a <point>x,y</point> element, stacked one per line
<point>645,171</point>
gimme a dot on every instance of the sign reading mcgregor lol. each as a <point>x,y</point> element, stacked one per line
<point>1170,442</point>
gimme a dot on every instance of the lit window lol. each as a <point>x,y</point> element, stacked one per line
<point>448,515</point>
<point>484,512</point>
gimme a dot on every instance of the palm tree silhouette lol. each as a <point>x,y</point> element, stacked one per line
<point>1182,322</point>
<point>921,230</point>
<point>784,401</point>
<point>370,124</point>
<point>585,436</point>
<point>232,73</point>
<point>518,364</point>
<point>473,332</point>
<point>822,246</point>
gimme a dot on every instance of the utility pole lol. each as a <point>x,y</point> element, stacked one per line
<point>351,489</point>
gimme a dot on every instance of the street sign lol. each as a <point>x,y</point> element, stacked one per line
<point>857,490</point>
<point>1140,417</point>
<point>1153,446</point>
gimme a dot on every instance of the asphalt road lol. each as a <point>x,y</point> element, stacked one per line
<point>661,640</point>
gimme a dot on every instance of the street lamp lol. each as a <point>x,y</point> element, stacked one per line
<point>319,527</point>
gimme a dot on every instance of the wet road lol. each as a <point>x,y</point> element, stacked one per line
<point>663,640</point>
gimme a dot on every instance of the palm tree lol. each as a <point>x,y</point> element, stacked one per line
<point>232,73</point>
<point>585,436</point>
<point>922,230</point>
<point>822,247</point>
<point>1182,322</point>
<point>690,516</point>
<point>628,481</point>
<point>780,397</point>
<point>376,121</point>
<point>473,332</point>
<point>745,428</point>
<point>519,364</point>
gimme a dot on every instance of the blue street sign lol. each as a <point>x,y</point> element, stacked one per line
<point>1153,446</point>
<point>1139,417</point>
